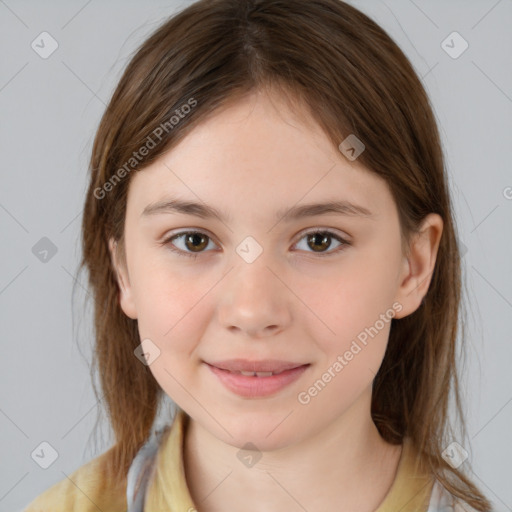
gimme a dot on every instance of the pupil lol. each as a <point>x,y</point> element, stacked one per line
<point>195,237</point>
<point>323,240</point>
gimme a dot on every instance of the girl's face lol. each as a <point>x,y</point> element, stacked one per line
<point>255,283</point>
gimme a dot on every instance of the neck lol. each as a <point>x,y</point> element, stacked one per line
<point>345,467</point>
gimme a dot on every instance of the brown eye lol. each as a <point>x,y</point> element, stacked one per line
<point>319,241</point>
<point>195,241</point>
<point>192,243</point>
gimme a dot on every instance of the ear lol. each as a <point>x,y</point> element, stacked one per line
<point>419,265</point>
<point>126,298</point>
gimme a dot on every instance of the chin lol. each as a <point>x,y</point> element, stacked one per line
<point>266,431</point>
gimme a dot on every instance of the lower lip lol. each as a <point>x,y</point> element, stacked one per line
<point>255,387</point>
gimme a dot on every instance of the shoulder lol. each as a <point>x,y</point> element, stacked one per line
<point>84,490</point>
<point>442,500</point>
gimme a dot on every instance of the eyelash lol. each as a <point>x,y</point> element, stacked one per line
<point>330,234</point>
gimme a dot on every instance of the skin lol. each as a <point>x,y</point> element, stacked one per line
<point>249,160</point>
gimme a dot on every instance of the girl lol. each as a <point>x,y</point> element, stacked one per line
<point>269,238</point>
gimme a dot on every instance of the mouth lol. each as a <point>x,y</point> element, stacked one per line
<point>256,379</point>
<point>262,368</point>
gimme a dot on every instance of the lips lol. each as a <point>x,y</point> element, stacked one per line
<point>256,379</point>
<point>261,368</point>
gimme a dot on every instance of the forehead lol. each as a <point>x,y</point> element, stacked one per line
<point>257,153</point>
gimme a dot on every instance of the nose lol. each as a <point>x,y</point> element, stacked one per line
<point>254,300</point>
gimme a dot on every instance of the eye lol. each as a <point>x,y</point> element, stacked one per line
<point>321,239</point>
<point>193,241</point>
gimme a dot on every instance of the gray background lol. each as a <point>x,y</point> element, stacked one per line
<point>50,111</point>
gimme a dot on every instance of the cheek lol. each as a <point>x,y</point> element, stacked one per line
<point>352,358</point>
<point>172,315</point>
<point>170,306</point>
<point>356,303</point>
<point>353,300</point>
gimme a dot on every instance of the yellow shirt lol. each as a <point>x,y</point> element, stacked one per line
<point>87,491</point>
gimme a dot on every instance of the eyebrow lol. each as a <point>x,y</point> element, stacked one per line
<point>177,206</point>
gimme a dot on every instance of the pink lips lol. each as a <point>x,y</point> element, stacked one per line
<point>254,386</point>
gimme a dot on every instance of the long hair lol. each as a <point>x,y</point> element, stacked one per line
<point>335,63</point>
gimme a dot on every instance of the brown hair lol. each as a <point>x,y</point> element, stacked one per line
<point>352,79</point>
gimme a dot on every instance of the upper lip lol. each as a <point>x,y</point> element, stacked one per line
<point>264,365</point>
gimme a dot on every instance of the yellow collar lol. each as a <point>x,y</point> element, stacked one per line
<point>168,488</point>
<point>412,486</point>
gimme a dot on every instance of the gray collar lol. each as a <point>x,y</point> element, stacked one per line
<point>141,469</point>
